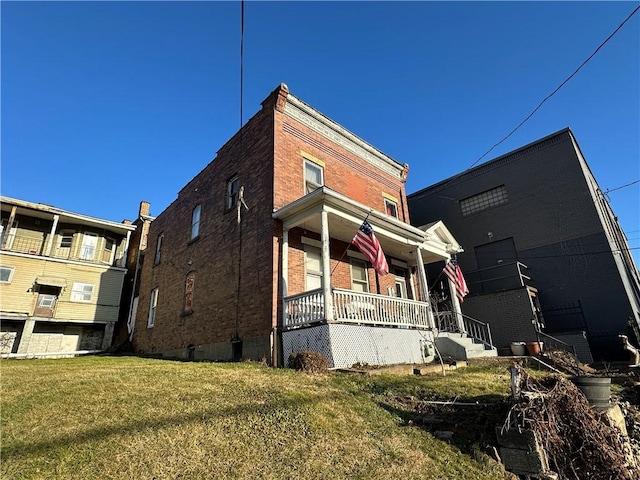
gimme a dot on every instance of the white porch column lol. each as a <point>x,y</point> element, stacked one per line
<point>423,286</point>
<point>47,252</point>
<point>326,267</point>
<point>456,306</point>
<point>285,272</point>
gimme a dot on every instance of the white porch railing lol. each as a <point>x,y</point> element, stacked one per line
<point>353,307</point>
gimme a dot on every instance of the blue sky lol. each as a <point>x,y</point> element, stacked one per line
<point>104,104</point>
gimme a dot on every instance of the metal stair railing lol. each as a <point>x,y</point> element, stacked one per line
<point>473,328</point>
<point>557,343</point>
<point>477,330</point>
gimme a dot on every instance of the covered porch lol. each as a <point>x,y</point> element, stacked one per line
<point>396,306</point>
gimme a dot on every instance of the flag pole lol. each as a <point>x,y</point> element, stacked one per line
<point>347,249</point>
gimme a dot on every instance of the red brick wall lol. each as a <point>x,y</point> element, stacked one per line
<point>344,172</point>
<point>223,250</point>
<point>271,170</point>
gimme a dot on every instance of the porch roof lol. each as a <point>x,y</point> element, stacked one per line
<point>397,239</point>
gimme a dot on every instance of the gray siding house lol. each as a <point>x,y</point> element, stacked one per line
<point>539,233</point>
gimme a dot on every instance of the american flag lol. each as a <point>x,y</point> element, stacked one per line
<point>453,272</point>
<point>368,244</point>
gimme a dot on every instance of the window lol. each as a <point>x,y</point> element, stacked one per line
<point>481,201</point>
<point>153,303</point>
<point>6,274</point>
<point>391,207</point>
<point>46,300</point>
<point>359,276</point>
<point>400,282</point>
<point>188,292</point>
<point>312,176</point>
<point>89,243</point>
<point>10,234</point>
<point>81,292</point>
<point>313,268</point>
<point>66,239</point>
<point>195,222</point>
<point>156,259</point>
<point>109,250</point>
<point>232,192</point>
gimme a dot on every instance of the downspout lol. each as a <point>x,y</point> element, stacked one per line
<point>135,281</point>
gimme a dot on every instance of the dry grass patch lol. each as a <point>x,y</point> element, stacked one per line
<point>127,417</point>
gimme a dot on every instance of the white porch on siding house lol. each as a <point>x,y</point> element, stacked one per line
<point>309,318</point>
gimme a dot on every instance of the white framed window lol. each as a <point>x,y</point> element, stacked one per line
<point>232,192</point>
<point>195,222</point>
<point>81,292</point>
<point>313,176</point>
<point>400,282</point>
<point>159,240</point>
<point>153,304</point>
<point>46,300</point>
<point>6,274</point>
<point>391,207</point>
<point>89,243</point>
<point>312,267</point>
<point>359,276</point>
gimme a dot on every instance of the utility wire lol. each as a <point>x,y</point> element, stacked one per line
<point>623,186</point>
<point>559,87</point>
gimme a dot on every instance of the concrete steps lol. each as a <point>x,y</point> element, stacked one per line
<point>460,347</point>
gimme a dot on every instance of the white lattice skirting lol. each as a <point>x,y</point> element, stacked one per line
<point>346,345</point>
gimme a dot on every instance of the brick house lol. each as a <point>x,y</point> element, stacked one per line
<point>544,253</point>
<point>61,279</point>
<point>253,259</point>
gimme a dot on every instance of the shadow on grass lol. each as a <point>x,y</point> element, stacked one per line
<point>20,450</point>
<point>463,425</point>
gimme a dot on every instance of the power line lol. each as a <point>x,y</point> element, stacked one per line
<point>623,186</point>
<point>559,87</point>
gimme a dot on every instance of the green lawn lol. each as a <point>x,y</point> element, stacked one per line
<point>134,418</point>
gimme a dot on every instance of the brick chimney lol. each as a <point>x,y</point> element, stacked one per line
<point>144,209</point>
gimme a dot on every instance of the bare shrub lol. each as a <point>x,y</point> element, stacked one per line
<point>308,361</point>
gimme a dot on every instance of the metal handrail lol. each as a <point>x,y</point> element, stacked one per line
<point>477,329</point>
<point>557,341</point>
<point>473,327</point>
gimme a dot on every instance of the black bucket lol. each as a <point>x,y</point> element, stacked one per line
<point>596,389</point>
